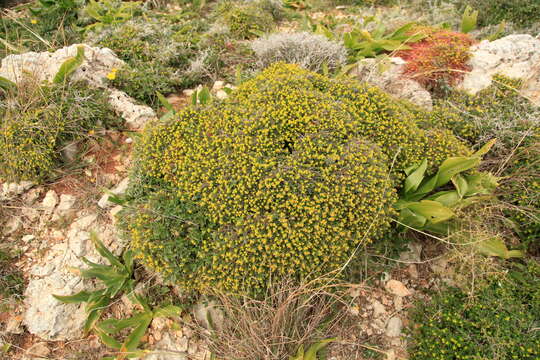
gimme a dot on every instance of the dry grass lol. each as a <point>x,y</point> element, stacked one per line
<point>274,327</point>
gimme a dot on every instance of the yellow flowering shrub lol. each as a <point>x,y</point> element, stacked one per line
<point>286,177</point>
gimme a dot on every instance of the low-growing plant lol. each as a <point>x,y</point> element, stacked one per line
<point>310,51</point>
<point>499,322</point>
<point>110,12</point>
<point>439,59</point>
<point>522,13</point>
<point>219,218</point>
<point>118,278</point>
<point>363,43</point>
<point>422,209</point>
<point>39,120</point>
<point>11,278</point>
<point>245,20</point>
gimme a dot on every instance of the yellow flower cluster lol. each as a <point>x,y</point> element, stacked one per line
<point>294,171</point>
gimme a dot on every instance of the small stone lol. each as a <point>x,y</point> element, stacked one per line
<point>398,303</point>
<point>13,224</point>
<point>397,288</point>
<point>218,85</point>
<point>66,203</point>
<point>413,271</point>
<point>50,200</point>
<point>413,254</point>
<point>128,140</point>
<point>394,326</point>
<point>391,354</point>
<point>117,190</point>
<point>32,195</point>
<point>221,94</point>
<point>14,325</point>
<point>378,309</point>
<point>28,238</point>
<point>40,349</point>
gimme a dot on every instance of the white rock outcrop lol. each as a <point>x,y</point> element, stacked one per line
<point>389,76</point>
<point>45,316</point>
<point>98,62</point>
<point>515,56</point>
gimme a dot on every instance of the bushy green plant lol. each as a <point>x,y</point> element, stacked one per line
<point>245,20</point>
<point>39,120</point>
<point>110,12</point>
<point>11,279</point>
<point>499,322</point>
<point>522,13</point>
<point>157,53</point>
<point>287,176</point>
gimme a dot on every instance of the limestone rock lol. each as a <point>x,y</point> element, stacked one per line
<point>169,347</point>
<point>43,66</point>
<point>397,288</point>
<point>11,190</point>
<point>117,190</point>
<point>394,326</point>
<point>208,310</point>
<point>135,115</point>
<point>389,77</point>
<point>45,316</point>
<point>49,202</point>
<point>98,62</point>
<point>515,56</point>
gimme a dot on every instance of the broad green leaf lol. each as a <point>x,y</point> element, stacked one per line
<point>469,20</point>
<point>168,311</point>
<point>433,211</point>
<point>113,326</point>
<point>453,166</point>
<point>311,353</point>
<point>484,149</point>
<point>299,354</point>
<point>69,66</point>
<point>481,184</point>
<point>461,184</point>
<point>6,84</point>
<point>80,297</point>
<point>497,34</point>
<point>415,178</point>
<point>133,340</point>
<point>412,219</point>
<point>127,258</point>
<point>496,247</point>
<point>107,339</point>
<point>448,198</point>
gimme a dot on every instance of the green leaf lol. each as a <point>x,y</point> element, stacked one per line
<point>448,198</point>
<point>133,340</point>
<point>461,185</point>
<point>469,20</point>
<point>497,34</point>
<point>107,339</point>
<point>311,353</point>
<point>168,311</point>
<point>484,149</point>
<point>415,178</point>
<point>69,66</point>
<point>204,96</point>
<point>496,247</point>
<point>80,297</point>
<point>433,211</point>
<point>103,251</point>
<point>6,84</point>
<point>299,354</point>
<point>453,166</point>
<point>163,100</point>
<point>412,219</point>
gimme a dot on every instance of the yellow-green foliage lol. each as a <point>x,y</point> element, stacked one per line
<point>286,177</point>
<point>246,20</point>
<point>37,121</point>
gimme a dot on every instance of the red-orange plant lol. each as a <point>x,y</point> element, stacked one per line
<point>440,58</point>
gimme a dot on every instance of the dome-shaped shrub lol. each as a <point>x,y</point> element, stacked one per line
<point>286,177</point>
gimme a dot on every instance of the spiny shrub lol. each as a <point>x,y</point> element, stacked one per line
<point>499,323</point>
<point>156,54</point>
<point>39,122</point>
<point>245,20</point>
<point>286,177</point>
<point>439,59</point>
<point>522,13</point>
<point>308,50</point>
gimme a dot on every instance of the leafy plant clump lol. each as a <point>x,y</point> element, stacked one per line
<point>156,53</point>
<point>522,13</point>
<point>39,120</point>
<point>499,322</point>
<point>439,59</point>
<point>286,177</point>
<point>246,20</point>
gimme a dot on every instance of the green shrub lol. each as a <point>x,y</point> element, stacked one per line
<point>38,121</point>
<point>245,20</point>
<point>156,53</point>
<point>286,177</point>
<point>499,323</point>
<point>11,279</point>
<point>522,13</point>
